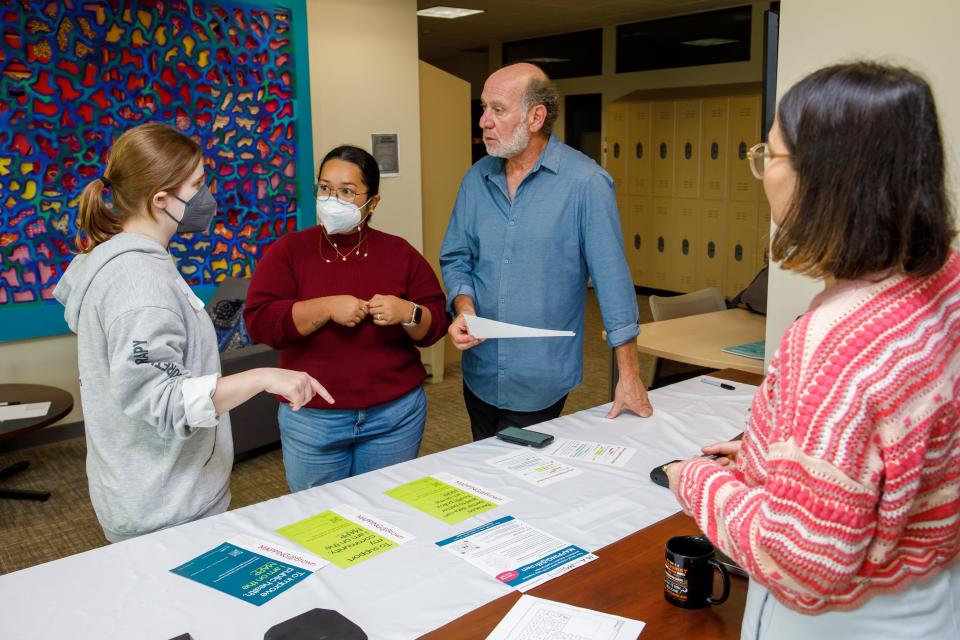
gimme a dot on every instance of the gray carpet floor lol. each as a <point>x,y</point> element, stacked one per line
<point>35,532</point>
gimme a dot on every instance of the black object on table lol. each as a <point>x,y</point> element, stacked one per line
<point>61,403</point>
<point>316,624</point>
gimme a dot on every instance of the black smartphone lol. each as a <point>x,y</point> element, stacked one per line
<point>659,476</point>
<point>526,437</point>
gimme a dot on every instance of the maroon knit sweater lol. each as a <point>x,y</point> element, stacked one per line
<point>362,366</point>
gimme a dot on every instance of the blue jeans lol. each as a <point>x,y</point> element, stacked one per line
<point>928,609</point>
<point>324,445</point>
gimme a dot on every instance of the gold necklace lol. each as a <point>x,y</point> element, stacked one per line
<point>343,256</point>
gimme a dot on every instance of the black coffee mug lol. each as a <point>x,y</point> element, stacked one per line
<point>688,577</point>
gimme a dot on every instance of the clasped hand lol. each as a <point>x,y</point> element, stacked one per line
<point>385,310</point>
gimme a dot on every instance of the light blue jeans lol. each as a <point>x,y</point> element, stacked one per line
<point>324,445</point>
<point>929,609</point>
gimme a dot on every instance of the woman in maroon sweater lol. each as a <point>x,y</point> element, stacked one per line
<point>353,303</point>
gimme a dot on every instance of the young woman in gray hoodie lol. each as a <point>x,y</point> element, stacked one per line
<point>159,447</point>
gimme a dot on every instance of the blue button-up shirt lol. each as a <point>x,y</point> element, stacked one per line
<point>527,262</point>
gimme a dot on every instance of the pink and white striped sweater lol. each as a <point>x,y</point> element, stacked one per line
<point>848,482</point>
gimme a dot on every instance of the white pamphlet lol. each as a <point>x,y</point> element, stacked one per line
<point>614,455</point>
<point>534,468</point>
<point>485,328</point>
<point>471,488</point>
<point>515,553</point>
<point>297,557</point>
<point>533,618</point>
<point>388,531</point>
<point>21,411</point>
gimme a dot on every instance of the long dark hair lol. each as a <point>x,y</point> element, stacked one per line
<point>865,142</point>
<point>365,162</point>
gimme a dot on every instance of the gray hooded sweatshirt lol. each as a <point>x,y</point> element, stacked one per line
<point>157,453</point>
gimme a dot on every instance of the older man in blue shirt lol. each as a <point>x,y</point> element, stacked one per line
<point>533,220</point>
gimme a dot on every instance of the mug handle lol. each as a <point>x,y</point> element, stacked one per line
<point>726,583</point>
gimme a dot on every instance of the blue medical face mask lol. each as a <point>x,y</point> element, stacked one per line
<point>198,212</point>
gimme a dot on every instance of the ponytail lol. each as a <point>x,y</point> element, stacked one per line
<point>95,223</point>
<point>145,160</point>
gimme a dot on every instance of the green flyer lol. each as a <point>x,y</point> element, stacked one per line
<point>344,535</point>
<point>447,497</point>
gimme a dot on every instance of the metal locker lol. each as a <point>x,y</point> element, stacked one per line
<point>638,149</point>
<point>714,148</point>
<point>686,243</point>
<point>662,133</point>
<point>712,255</point>
<point>662,261</point>
<point>688,149</point>
<point>641,240</point>
<point>744,133</point>
<point>741,245</point>
<point>615,161</point>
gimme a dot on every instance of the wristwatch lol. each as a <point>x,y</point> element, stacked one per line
<point>415,318</point>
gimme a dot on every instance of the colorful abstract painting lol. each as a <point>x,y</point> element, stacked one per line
<point>75,74</point>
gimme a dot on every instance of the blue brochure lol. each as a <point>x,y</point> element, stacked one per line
<point>253,570</point>
<point>749,350</point>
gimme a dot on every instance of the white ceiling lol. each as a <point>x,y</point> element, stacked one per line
<point>507,20</point>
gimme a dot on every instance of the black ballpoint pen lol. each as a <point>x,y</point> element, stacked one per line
<point>717,383</point>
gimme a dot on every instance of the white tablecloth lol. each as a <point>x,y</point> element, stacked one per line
<point>126,590</point>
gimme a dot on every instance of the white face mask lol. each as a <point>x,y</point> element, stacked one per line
<point>338,217</point>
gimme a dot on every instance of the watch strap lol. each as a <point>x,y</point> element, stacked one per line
<point>415,316</point>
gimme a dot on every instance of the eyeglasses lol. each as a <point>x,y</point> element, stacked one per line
<point>759,156</point>
<point>344,194</point>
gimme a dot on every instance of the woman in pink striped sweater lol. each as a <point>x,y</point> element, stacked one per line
<point>843,501</point>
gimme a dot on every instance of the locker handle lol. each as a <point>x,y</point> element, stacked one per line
<point>738,253</point>
<point>661,244</point>
<point>685,247</point>
<point>639,150</point>
<point>616,149</point>
<point>663,150</point>
<point>742,150</point>
<point>714,150</point>
<point>688,151</point>
<point>711,249</point>
<point>636,241</point>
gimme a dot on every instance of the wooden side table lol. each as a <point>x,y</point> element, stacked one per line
<point>61,403</point>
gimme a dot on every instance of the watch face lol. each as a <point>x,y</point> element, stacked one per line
<point>417,314</point>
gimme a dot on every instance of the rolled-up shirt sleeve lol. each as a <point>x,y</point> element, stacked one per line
<point>198,401</point>
<point>607,264</point>
<point>456,258</point>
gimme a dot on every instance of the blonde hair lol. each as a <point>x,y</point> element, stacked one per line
<point>143,161</point>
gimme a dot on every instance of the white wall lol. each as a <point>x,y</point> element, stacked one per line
<point>48,361</point>
<point>364,78</point>
<point>816,33</point>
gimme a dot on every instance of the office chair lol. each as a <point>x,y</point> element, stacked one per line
<point>668,307</point>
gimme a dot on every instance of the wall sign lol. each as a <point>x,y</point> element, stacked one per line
<point>386,150</point>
